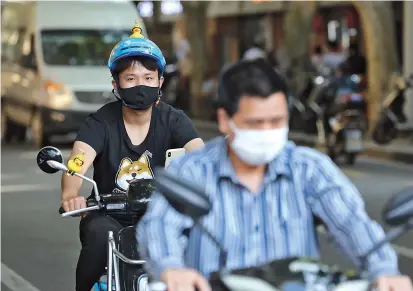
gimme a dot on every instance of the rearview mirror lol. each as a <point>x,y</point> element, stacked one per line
<point>399,209</point>
<point>47,154</point>
<point>29,62</point>
<point>184,195</point>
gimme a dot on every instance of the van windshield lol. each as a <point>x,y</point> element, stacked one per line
<point>80,47</point>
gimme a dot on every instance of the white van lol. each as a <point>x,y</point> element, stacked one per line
<point>54,57</point>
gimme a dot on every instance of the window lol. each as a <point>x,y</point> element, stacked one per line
<point>80,47</point>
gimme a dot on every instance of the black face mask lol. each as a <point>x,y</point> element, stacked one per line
<point>138,97</point>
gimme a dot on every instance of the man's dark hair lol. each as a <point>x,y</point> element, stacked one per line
<point>251,78</point>
<point>124,64</point>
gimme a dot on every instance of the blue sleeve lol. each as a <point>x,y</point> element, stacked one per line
<point>338,203</point>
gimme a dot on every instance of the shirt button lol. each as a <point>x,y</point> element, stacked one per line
<point>257,228</point>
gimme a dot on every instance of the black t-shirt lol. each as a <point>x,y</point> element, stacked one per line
<point>118,161</point>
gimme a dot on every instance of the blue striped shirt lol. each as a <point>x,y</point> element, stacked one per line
<point>274,224</point>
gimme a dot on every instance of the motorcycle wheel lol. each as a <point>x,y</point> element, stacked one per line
<point>351,159</point>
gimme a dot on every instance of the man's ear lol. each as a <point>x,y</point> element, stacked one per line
<point>161,82</point>
<point>223,120</point>
<point>115,86</point>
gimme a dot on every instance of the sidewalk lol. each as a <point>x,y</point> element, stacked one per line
<point>401,150</point>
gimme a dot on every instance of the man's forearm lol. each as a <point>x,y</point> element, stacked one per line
<point>70,186</point>
<point>384,261</point>
<point>361,235</point>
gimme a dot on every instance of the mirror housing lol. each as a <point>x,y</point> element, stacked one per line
<point>184,195</point>
<point>29,62</point>
<point>46,154</point>
<point>399,209</point>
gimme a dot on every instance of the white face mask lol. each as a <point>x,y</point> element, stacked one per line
<point>258,147</point>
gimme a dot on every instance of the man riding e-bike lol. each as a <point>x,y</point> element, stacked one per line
<point>124,140</point>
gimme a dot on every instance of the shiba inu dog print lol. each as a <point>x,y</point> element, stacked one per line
<point>133,170</point>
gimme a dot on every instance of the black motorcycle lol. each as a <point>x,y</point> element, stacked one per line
<point>170,86</point>
<point>341,111</point>
<point>292,274</point>
<point>386,128</point>
<point>299,118</point>
<point>124,269</point>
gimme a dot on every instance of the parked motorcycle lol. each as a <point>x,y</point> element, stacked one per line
<point>298,106</point>
<point>341,111</point>
<point>293,274</point>
<point>124,269</point>
<point>170,84</point>
<point>386,128</point>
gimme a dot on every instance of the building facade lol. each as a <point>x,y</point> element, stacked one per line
<point>233,26</point>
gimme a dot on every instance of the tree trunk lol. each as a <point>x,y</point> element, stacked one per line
<point>380,43</point>
<point>196,27</point>
<point>297,35</point>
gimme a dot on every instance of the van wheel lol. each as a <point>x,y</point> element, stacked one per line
<point>39,137</point>
<point>6,131</point>
<point>9,129</point>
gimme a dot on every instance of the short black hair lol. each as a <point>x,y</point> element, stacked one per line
<point>123,64</point>
<point>248,77</point>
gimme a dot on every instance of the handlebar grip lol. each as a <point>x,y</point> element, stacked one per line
<point>90,205</point>
<point>61,210</point>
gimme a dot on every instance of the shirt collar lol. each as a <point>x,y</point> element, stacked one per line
<point>280,166</point>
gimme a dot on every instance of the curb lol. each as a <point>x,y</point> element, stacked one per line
<point>210,130</point>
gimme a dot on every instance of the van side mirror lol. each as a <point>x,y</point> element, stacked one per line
<point>29,62</point>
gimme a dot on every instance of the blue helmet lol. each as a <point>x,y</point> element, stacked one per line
<point>137,45</point>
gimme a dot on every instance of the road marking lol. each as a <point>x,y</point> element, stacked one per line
<point>27,188</point>
<point>14,281</point>
<point>353,173</point>
<point>24,172</point>
<point>404,251</point>
<point>10,176</point>
<point>382,162</point>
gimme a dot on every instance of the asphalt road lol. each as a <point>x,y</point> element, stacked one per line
<point>40,248</point>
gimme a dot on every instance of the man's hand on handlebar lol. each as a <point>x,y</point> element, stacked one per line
<point>74,203</point>
<point>396,283</point>
<point>184,280</point>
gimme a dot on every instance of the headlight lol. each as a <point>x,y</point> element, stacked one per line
<point>59,97</point>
